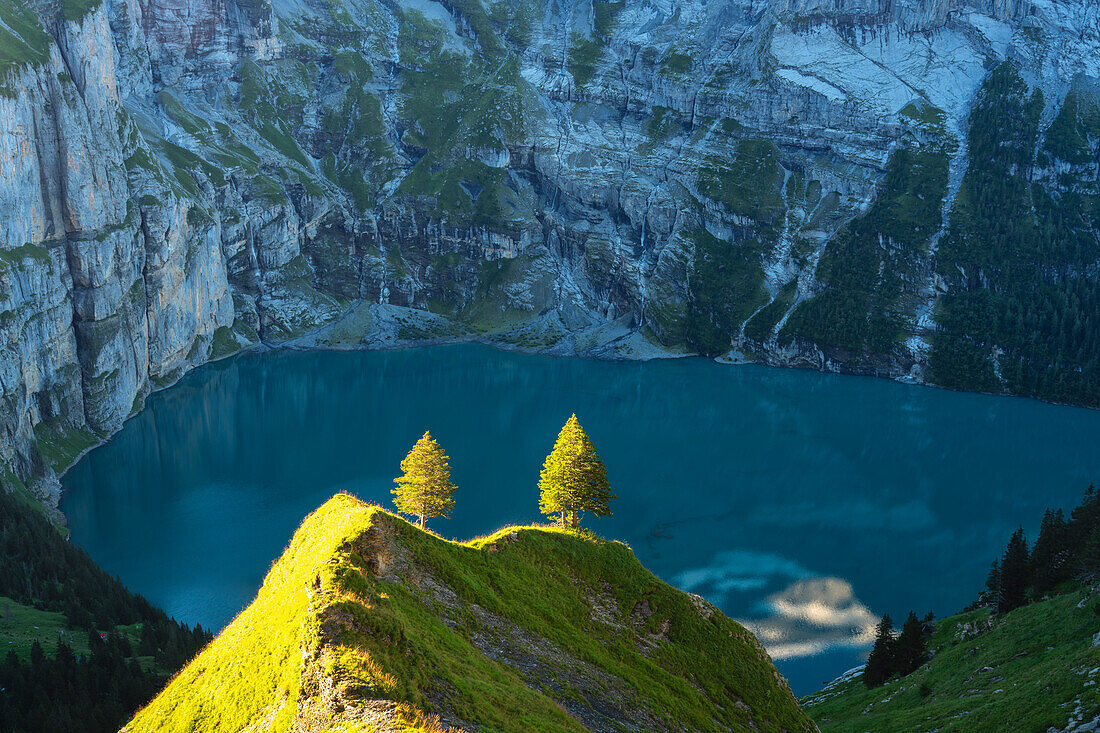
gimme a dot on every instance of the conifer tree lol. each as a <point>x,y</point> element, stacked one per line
<point>992,583</point>
<point>424,489</point>
<point>1085,518</point>
<point>573,478</point>
<point>881,661</point>
<point>1012,583</point>
<point>1089,556</point>
<point>1050,557</point>
<point>911,649</point>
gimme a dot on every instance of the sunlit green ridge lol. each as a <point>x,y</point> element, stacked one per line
<point>367,623</point>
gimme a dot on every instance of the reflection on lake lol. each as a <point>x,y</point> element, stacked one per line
<point>801,503</point>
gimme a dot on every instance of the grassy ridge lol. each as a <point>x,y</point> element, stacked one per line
<point>1036,667</point>
<point>251,671</point>
<point>365,612</point>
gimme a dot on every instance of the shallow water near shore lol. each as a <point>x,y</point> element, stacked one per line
<point>803,504</point>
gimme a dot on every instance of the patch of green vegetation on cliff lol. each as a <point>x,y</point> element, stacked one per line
<point>179,114</point>
<point>433,81</point>
<point>140,160</point>
<point>365,607</point>
<point>750,184</point>
<point>223,343</point>
<point>666,323</point>
<point>184,160</point>
<point>60,445</point>
<point>272,98</point>
<point>661,123</point>
<point>23,40</point>
<point>924,113</point>
<point>1019,257</point>
<point>282,142</point>
<point>604,13</point>
<point>491,310</point>
<point>245,330</point>
<point>453,103</point>
<point>14,487</point>
<point>870,264</point>
<point>473,12</point>
<point>253,84</point>
<point>362,156</point>
<point>267,188</point>
<point>351,178</point>
<point>499,111</point>
<point>457,109</point>
<point>395,262</point>
<point>15,256</point>
<point>760,326</point>
<point>677,64</point>
<point>352,66</point>
<point>515,20</point>
<point>583,57</point>
<point>360,120</point>
<point>1074,132</point>
<point>726,285</point>
<point>929,118</point>
<point>452,186</point>
<point>77,9</point>
<point>1032,670</point>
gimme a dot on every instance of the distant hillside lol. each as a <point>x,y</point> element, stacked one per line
<point>1034,669</point>
<point>82,653</point>
<point>367,623</point>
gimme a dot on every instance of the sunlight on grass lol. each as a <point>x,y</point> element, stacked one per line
<point>366,613</point>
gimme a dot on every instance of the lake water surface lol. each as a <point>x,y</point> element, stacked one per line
<point>801,503</point>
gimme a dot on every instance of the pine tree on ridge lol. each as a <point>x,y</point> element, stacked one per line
<point>573,478</point>
<point>424,489</point>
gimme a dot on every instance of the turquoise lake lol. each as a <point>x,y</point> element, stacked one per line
<point>803,504</point>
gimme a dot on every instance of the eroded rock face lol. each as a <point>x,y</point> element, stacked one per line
<point>180,180</point>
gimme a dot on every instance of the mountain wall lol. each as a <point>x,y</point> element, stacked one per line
<point>903,188</point>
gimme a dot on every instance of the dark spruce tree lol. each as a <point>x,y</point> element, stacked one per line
<point>911,648</point>
<point>1088,559</point>
<point>1083,525</point>
<point>881,661</point>
<point>1050,557</point>
<point>992,584</point>
<point>1015,574</point>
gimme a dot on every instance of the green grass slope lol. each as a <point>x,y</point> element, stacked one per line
<point>1034,669</point>
<point>367,623</point>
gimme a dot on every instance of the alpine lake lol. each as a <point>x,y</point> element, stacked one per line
<point>803,504</point>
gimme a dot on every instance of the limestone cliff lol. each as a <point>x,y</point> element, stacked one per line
<point>183,178</point>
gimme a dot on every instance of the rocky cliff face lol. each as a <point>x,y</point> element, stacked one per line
<point>774,180</point>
